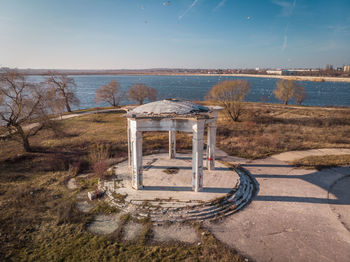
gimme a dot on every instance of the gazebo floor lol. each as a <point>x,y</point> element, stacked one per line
<point>167,189</point>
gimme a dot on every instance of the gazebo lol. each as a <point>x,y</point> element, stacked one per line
<point>173,115</point>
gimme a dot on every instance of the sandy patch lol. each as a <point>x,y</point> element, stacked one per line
<point>104,224</point>
<point>175,232</point>
<point>132,231</point>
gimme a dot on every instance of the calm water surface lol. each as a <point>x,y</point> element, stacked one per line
<point>196,87</point>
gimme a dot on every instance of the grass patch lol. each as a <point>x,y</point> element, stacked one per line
<point>88,183</point>
<point>120,198</point>
<point>267,129</point>
<point>171,170</point>
<point>104,208</point>
<point>321,162</point>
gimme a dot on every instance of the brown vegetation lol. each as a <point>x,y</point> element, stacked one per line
<point>288,89</point>
<point>269,129</point>
<point>230,94</point>
<point>141,92</point>
<point>63,90</point>
<point>321,162</point>
<point>22,102</point>
<point>110,93</point>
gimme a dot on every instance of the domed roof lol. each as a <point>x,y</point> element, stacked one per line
<point>168,107</point>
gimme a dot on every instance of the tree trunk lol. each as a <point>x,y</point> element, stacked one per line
<point>68,106</point>
<point>26,144</point>
<point>25,139</point>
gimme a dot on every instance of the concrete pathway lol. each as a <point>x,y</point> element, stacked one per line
<point>297,215</point>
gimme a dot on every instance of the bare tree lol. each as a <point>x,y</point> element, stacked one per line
<point>64,90</point>
<point>140,92</point>
<point>111,93</point>
<point>22,102</point>
<point>54,102</point>
<point>300,94</point>
<point>285,90</point>
<point>230,94</point>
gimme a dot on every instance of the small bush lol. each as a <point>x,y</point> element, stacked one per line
<point>98,152</point>
<point>74,168</point>
<point>100,169</point>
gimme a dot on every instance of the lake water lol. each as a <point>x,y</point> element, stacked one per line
<point>196,87</point>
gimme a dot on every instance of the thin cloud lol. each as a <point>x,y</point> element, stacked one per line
<point>221,4</point>
<point>344,29</point>
<point>285,39</point>
<point>285,42</point>
<point>188,9</point>
<point>287,7</point>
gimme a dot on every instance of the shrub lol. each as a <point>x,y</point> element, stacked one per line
<point>100,168</point>
<point>74,168</point>
<point>98,152</point>
<point>230,94</point>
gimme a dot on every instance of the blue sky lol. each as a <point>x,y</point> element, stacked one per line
<point>112,34</point>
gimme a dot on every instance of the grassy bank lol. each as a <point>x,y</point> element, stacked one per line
<point>321,162</point>
<point>269,129</point>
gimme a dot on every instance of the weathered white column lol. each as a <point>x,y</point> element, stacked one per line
<point>211,136</point>
<point>129,142</point>
<point>197,155</point>
<point>136,155</point>
<point>172,144</point>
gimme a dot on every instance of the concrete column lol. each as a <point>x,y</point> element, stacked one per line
<point>136,153</point>
<point>172,144</point>
<point>211,136</point>
<point>197,155</point>
<point>129,142</point>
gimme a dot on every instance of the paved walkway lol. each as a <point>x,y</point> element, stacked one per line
<point>297,215</point>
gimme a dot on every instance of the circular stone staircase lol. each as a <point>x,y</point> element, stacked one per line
<point>170,211</point>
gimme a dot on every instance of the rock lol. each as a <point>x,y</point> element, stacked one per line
<point>84,206</point>
<point>95,194</point>
<point>72,184</point>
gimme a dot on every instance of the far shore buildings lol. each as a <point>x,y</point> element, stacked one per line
<point>290,72</point>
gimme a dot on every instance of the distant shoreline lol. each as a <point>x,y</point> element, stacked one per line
<point>43,72</point>
<point>297,78</point>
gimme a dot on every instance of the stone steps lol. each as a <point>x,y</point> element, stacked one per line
<point>161,212</point>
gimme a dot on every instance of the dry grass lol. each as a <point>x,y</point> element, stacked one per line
<point>269,129</point>
<point>321,162</point>
<point>38,218</point>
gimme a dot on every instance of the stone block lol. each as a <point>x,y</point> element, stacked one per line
<point>95,194</point>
